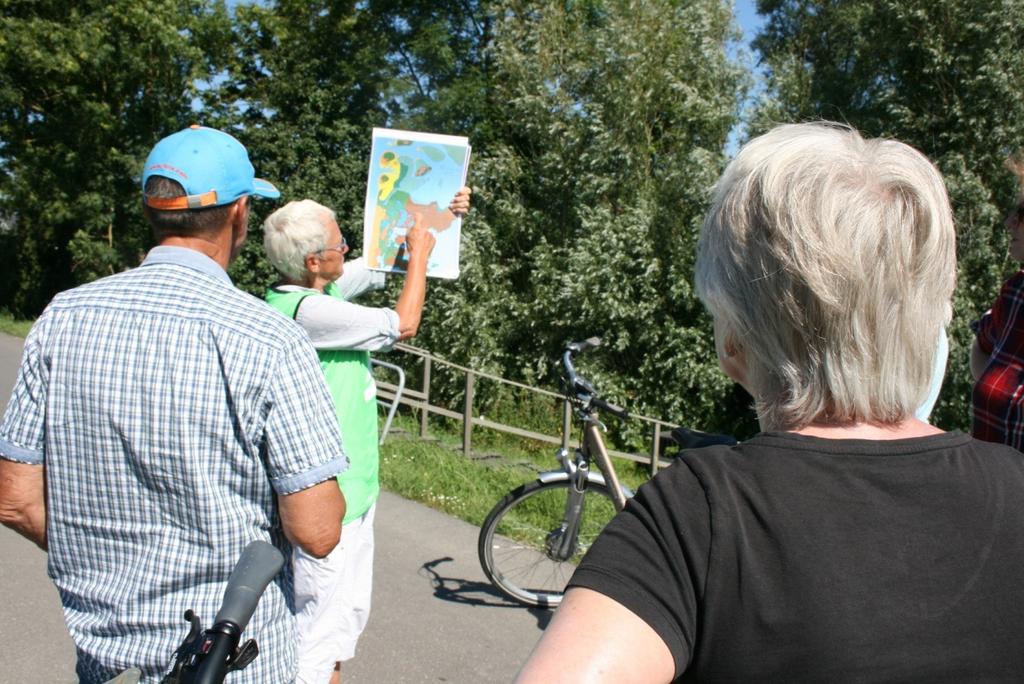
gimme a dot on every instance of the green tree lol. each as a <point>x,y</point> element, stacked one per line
<point>309,80</point>
<point>86,88</point>
<point>941,76</point>
<point>441,53</point>
<point>602,130</point>
<point>598,129</point>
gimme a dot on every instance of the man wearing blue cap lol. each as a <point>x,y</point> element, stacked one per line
<point>163,419</point>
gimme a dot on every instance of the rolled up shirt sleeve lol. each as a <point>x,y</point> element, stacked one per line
<point>23,430</point>
<point>357,278</point>
<point>333,323</point>
<point>303,442</point>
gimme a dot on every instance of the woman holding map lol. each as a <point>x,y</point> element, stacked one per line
<point>305,245</point>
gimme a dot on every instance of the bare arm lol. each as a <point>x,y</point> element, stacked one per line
<point>23,500</point>
<point>419,242</point>
<point>979,360</point>
<point>606,642</point>
<point>312,517</point>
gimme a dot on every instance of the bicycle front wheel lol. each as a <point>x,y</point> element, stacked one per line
<point>518,539</point>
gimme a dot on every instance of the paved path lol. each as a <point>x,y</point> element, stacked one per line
<point>435,619</point>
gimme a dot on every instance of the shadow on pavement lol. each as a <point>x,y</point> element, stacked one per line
<point>473,592</point>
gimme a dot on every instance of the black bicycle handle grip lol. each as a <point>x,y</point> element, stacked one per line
<point>610,408</point>
<point>687,438</point>
<point>260,562</point>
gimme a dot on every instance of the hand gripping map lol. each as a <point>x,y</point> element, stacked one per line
<point>413,176</point>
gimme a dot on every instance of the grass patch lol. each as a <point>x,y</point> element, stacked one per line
<point>443,479</point>
<point>9,325</point>
<point>436,473</point>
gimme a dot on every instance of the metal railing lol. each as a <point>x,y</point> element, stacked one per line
<point>393,395</point>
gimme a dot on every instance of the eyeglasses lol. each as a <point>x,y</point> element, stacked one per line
<point>340,248</point>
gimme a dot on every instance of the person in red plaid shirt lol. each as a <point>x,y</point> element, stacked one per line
<point>997,355</point>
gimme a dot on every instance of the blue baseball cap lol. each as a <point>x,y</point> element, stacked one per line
<point>211,165</point>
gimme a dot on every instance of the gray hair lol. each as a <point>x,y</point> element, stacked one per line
<point>292,232</point>
<point>830,260</point>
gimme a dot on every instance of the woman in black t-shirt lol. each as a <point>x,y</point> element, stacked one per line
<point>848,541</point>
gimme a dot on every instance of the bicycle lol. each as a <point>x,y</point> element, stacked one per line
<point>207,656</point>
<point>533,538</point>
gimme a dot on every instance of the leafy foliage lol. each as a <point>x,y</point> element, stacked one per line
<point>598,128</point>
<point>604,132</point>
<point>85,90</point>
<point>305,81</point>
<point>941,76</point>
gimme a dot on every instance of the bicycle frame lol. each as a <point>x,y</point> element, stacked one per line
<point>561,542</point>
<point>549,522</point>
<point>593,444</point>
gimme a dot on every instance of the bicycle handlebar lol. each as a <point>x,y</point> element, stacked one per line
<point>577,347</point>
<point>571,350</point>
<point>206,656</point>
<point>616,411</point>
<point>259,563</point>
<point>576,382</point>
<point>687,438</point>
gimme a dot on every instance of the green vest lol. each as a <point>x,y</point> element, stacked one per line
<point>355,403</point>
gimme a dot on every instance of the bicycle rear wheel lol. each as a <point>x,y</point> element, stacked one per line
<point>516,539</point>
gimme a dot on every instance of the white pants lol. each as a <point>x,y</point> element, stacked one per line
<point>332,600</point>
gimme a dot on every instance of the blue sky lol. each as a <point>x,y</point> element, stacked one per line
<point>748,18</point>
<point>750,21</point>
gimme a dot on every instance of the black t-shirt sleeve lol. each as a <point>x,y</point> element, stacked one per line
<point>653,558</point>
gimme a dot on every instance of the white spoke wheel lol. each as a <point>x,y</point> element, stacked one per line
<point>515,540</point>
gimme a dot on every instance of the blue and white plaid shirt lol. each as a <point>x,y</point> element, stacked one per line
<point>169,409</point>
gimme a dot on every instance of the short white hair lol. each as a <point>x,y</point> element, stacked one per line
<point>292,232</point>
<point>830,260</point>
